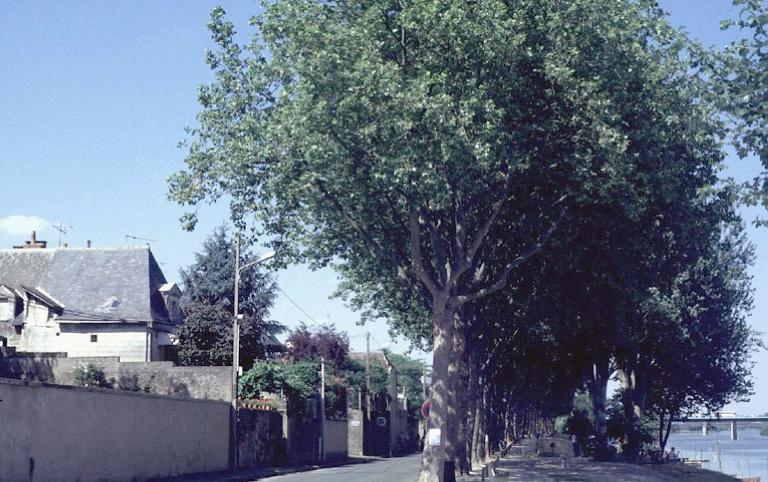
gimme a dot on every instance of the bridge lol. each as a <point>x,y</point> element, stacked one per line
<point>733,421</point>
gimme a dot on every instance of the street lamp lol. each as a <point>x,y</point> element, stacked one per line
<point>236,336</point>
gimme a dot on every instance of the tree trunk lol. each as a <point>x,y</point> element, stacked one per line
<point>463,395</point>
<point>634,385</point>
<point>477,431</point>
<point>661,429</point>
<point>456,396</point>
<point>666,435</point>
<point>434,459</point>
<point>598,391</point>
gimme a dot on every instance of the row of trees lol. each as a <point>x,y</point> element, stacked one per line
<point>527,188</point>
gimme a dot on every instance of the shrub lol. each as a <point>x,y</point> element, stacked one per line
<point>90,376</point>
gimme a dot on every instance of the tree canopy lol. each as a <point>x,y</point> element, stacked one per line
<point>465,167</point>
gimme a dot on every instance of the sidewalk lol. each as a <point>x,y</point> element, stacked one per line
<point>534,468</point>
<point>245,475</point>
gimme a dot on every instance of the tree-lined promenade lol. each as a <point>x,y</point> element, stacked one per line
<point>529,188</point>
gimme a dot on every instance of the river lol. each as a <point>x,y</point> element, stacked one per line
<point>747,456</point>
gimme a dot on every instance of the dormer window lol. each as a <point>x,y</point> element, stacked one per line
<point>172,297</point>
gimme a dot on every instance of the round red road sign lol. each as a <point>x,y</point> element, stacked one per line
<point>425,409</point>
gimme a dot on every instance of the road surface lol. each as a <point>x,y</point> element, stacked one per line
<point>396,469</point>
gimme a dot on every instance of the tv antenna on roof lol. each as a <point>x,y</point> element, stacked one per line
<point>136,238</point>
<point>62,229</point>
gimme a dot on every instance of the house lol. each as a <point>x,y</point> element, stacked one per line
<point>86,302</point>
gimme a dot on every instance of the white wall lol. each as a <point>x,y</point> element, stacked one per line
<point>7,308</point>
<point>129,342</point>
<point>39,330</point>
<point>62,434</point>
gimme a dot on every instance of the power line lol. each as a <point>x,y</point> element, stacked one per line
<point>297,306</point>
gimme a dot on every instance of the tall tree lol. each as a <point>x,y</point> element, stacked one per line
<point>305,343</point>
<point>704,360</point>
<point>205,337</point>
<point>429,149</point>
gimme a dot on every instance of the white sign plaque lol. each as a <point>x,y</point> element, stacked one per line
<point>433,437</point>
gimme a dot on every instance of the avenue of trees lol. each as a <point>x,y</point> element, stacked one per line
<point>529,188</point>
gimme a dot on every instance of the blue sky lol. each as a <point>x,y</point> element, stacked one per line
<point>94,98</point>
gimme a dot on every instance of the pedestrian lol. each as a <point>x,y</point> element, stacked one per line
<point>575,445</point>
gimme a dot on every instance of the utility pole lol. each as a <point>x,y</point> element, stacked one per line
<point>368,397</point>
<point>236,339</point>
<point>322,408</point>
<point>236,322</point>
<point>424,379</point>
<point>235,351</point>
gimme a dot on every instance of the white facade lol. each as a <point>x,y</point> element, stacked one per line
<point>43,333</point>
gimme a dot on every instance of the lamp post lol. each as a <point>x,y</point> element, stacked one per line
<point>236,337</point>
<point>322,408</point>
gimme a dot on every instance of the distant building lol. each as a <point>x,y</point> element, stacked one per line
<point>103,302</point>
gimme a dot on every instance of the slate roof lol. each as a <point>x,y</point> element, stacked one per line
<point>90,284</point>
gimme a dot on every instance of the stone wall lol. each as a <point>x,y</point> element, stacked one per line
<point>162,378</point>
<point>66,433</point>
<point>303,444</point>
<point>261,439</point>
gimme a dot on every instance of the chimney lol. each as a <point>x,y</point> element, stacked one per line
<point>33,243</point>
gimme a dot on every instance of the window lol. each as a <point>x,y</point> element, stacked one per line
<point>94,338</point>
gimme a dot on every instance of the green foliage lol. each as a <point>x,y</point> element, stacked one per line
<point>297,382</point>
<point>548,169</point>
<point>90,376</point>
<point>409,373</point>
<point>355,380</point>
<point>740,86</point>
<point>263,377</point>
<point>210,279</point>
<point>704,361</point>
<point>205,337</point>
<point>581,421</point>
<point>302,379</point>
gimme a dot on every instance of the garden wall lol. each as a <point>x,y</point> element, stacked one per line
<point>162,378</point>
<point>66,433</point>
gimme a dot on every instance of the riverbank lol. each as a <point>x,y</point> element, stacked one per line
<point>527,466</point>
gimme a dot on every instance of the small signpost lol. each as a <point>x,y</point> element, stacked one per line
<point>381,421</point>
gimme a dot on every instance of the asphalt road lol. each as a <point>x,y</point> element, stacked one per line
<point>396,469</point>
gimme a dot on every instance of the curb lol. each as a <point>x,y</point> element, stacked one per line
<point>245,475</point>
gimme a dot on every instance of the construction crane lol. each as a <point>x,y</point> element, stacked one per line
<point>136,238</point>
